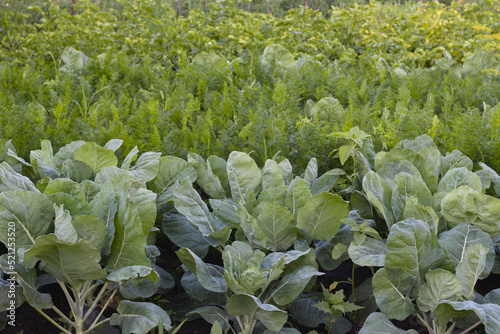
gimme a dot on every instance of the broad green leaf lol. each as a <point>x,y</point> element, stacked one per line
<point>129,272</point>
<point>96,157</point>
<point>193,287</point>
<point>359,202</point>
<point>465,205</point>
<point>277,58</point>
<point>425,146</point>
<point>209,276</point>
<point>455,159</point>
<point>470,268</point>
<point>321,215</point>
<point>392,288</point>
<point>439,285</point>
<point>413,248</point>
<point>305,313</point>
<point>326,181</point>
<point>456,241</point>
<point>216,328</point>
<point>65,186</point>
<point>213,315</point>
<point>76,170</point>
<point>63,226</point>
<point>129,242</point>
<point>189,203</point>
<point>130,158</point>
<point>457,177</point>
<point>90,190</point>
<point>113,144</point>
<point>254,234</point>
<point>12,181</point>
<point>27,279</point>
<point>147,166</point>
<point>73,59</point>
<point>413,209</point>
<point>145,203</point>
<point>243,174</point>
<point>492,297</point>
<point>91,228</point>
<point>324,249</point>
<point>292,284</point>
<point>311,172</point>
<point>206,179</point>
<point>345,152</point>
<point>105,205</point>
<point>226,211</point>
<point>139,287</point>
<point>379,323</point>
<point>222,236</point>
<point>184,234</point>
<point>67,152</point>
<point>43,161</point>
<point>297,195</point>
<point>488,177</point>
<point>275,195</point>
<point>286,169</point>
<point>489,314</point>
<point>218,167</point>
<point>171,170</point>
<point>405,186</point>
<point>272,176</point>
<point>270,316</point>
<point>379,195</point>
<point>8,298</point>
<point>390,170</point>
<point>412,156</point>
<point>113,178</point>
<point>238,251</point>
<point>277,225</point>
<point>68,262</point>
<point>30,214</point>
<point>370,253</point>
<point>140,317</point>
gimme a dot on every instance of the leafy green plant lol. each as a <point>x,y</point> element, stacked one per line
<point>86,224</point>
<point>431,259</point>
<point>335,305</point>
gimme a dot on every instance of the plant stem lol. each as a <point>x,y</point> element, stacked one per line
<point>95,323</point>
<point>78,311</point>
<point>452,327</point>
<point>424,322</point>
<point>352,287</point>
<point>70,300</point>
<point>62,315</point>
<point>239,323</point>
<point>96,300</point>
<point>472,327</point>
<point>52,321</point>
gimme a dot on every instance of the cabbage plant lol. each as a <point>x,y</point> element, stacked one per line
<point>85,224</point>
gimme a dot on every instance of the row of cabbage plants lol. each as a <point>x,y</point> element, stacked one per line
<point>253,243</point>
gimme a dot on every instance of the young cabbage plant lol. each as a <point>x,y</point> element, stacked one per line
<point>434,277</point>
<point>88,233</point>
<point>269,208</point>
<point>251,289</point>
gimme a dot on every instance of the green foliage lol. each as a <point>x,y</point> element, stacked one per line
<point>223,80</point>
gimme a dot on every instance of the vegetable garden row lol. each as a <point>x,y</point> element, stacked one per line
<point>236,164</point>
<point>254,241</point>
